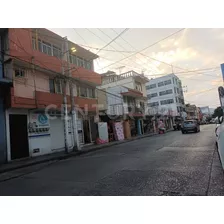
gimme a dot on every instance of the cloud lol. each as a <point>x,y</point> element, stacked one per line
<point>216,82</point>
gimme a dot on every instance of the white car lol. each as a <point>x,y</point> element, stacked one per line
<point>220,139</point>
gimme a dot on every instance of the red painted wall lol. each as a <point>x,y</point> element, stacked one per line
<point>21,47</point>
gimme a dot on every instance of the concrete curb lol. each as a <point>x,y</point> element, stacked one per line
<point>63,156</point>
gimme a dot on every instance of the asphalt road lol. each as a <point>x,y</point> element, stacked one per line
<point>170,164</point>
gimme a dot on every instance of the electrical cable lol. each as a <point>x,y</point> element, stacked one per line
<point>112,40</point>
<point>111,46</point>
<point>145,48</point>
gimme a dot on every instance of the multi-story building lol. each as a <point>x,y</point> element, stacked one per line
<point>4,91</point>
<point>192,112</point>
<point>165,96</point>
<point>125,95</point>
<point>33,60</point>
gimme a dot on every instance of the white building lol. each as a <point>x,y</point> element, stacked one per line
<point>165,96</point>
<point>125,93</point>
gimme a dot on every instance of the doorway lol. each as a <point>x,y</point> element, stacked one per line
<point>86,128</point>
<point>18,136</point>
<point>93,128</point>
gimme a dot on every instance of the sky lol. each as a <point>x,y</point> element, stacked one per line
<point>190,49</point>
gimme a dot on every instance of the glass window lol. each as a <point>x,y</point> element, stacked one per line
<point>154,104</point>
<point>89,65</point>
<point>164,102</point>
<point>51,86</point>
<point>91,93</point>
<point>167,82</point>
<point>169,91</point>
<point>56,52</point>
<point>74,60</point>
<point>40,46</point>
<point>160,84</point>
<point>80,62</point>
<point>152,95</point>
<point>83,92</point>
<point>47,48</point>
<point>34,45</point>
<point>58,88</point>
<point>19,73</point>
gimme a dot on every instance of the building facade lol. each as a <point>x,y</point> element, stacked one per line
<point>165,96</point>
<point>192,111</point>
<point>126,98</point>
<point>33,60</point>
<point>4,91</point>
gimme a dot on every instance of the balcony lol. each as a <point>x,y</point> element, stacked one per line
<point>44,99</point>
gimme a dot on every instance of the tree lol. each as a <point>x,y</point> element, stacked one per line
<point>218,112</point>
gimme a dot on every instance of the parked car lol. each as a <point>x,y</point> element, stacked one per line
<point>190,126</point>
<point>220,139</point>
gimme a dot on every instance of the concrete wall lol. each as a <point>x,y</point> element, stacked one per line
<point>115,100</point>
<point>47,144</point>
<point>102,99</point>
<point>127,82</point>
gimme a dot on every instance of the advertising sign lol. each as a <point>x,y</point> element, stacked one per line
<point>38,125</point>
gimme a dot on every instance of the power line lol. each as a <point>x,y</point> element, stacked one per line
<point>21,47</point>
<point>111,46</point>
<point>133,48</point>
<point>80,35</point>
<point>145,48</point>
<point>117,51</point>
<point>119,35</point>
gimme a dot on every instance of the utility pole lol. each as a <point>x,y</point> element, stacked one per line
<point>73,111</point>
<point>65,111</point>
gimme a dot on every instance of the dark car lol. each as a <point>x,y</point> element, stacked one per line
<point>190,126</point>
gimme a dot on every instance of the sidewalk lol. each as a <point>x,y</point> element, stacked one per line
<point>62,155</point>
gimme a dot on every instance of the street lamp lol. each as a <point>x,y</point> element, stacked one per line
<point>73,49</point>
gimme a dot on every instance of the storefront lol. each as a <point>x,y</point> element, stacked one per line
<point>32,133</point>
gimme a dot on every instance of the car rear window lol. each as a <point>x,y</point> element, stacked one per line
<point>189,122</point>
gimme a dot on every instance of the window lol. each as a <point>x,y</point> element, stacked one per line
<point>57,52</point>
<point>175,91</point>
<point>169,91</point>
<point>89,65</point>
<point>46,48</point>
<point>83,92</point>
<point>152,86</point>
<point>19,73</point>
<point>160,84</point>
<point>167,82</point>
<point>176,99</point>
<point>138,86</point>
<point>34,43</point>
<point>178,91</point>
<point>51,86</point>
<point>73,59</point>
<point>91,93</point>
<point>40,46</point>
<point>164,102</point>
<point>80,62</point>
<point>173,80</point>
<point>154,104</point>
<point>58,87</point>
<point>152,95</point>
